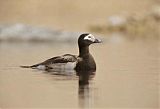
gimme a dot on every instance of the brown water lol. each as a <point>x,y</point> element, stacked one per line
<point>126,77</point>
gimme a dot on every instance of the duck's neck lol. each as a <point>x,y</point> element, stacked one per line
<point>83,51</point>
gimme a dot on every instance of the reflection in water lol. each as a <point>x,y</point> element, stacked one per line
<point>84,89</point>
<point>59,75</point>
<point>84,94</point>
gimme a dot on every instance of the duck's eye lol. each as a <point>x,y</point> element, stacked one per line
<point>89,36</point>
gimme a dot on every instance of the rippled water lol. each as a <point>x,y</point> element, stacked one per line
<point>126,76</point>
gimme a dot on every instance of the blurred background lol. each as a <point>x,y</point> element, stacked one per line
<point>105,16</point>
<point>127,75</point>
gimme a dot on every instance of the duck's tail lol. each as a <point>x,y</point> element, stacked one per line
<point>26,66</point>
<point>32,66</point>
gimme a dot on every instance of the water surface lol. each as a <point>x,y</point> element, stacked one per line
<point>126,76</point>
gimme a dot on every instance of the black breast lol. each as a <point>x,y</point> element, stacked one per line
<point>86,63</point>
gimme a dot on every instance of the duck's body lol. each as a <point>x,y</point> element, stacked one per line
<point>83,62</point>
<point>64,62</point>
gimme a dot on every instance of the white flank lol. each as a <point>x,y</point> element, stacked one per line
<point>64,66</point>
<point>41,67</point>
<point>70,65</point>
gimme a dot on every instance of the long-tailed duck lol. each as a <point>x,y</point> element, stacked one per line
<point>83,62</point>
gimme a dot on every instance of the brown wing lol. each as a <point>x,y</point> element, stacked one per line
<point>59,59</point>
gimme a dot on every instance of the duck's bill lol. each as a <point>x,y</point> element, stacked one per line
<point>97,41</point>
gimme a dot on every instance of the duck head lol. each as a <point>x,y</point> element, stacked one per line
<point>87,39</point>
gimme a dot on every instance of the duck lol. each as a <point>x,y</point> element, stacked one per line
<point>83,62</point>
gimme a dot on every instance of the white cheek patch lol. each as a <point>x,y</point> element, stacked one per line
<point>90,37</point>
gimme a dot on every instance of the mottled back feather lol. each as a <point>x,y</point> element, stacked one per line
<point>58,59</point>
